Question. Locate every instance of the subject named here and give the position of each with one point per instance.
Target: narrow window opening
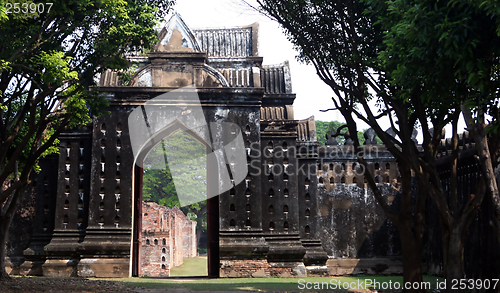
(285, 146)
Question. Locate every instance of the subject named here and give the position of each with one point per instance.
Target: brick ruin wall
(167, 237)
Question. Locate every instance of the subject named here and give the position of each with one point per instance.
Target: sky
(312, 94)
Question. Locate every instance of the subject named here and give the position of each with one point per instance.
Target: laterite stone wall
(167, 237)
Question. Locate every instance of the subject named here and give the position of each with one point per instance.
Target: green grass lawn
(193, 266)
(267, 284)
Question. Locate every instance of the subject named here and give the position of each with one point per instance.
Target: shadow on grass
(309, 284)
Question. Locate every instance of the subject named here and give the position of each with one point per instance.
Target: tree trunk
(454, 258)
(199, 225)
(485, 162)
(198, 237)
(412, 262)
(6, 215)
(477, 130)
(410, 227)
(4, 232)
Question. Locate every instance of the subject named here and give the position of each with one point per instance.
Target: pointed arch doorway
(212, 203)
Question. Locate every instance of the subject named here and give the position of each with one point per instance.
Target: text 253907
(28, 7)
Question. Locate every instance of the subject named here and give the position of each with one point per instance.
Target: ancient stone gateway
(300, 209)
(297, 203)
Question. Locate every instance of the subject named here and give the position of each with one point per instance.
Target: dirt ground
(60, 285)
(71, 285)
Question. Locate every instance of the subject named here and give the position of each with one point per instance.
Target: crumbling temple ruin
(308, 212)
(168, 236)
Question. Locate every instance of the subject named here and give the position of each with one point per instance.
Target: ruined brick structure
(167, 237)
(302, 208)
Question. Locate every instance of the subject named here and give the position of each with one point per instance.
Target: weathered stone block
(244, 268)
(104, 267)
(371, 266)
(60, 268)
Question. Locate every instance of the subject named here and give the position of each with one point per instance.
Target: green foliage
(443, 51)
(54, 68)
(323, 128)
(126, 76)
(53, 148)
(48, 61)
(188, 157)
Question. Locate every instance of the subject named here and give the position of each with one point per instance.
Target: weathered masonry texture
(167, 237)
(303, 209)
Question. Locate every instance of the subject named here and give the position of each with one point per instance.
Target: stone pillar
(280, 201)
(309, 213)
(242, 246)
(46, 192)
(71, 206)
(106, 248)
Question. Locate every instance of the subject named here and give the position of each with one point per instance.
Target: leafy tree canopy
(48, 62)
